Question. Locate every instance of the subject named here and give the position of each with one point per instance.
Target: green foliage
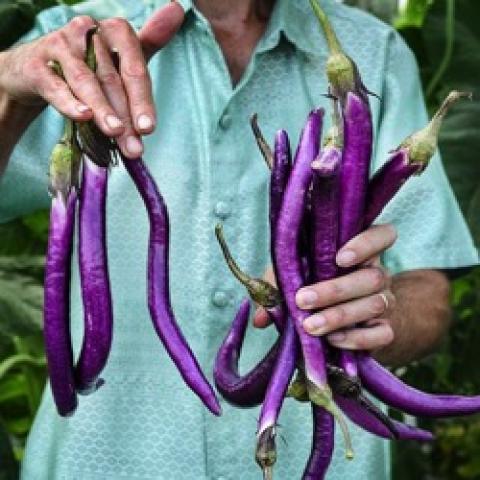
(17, 17)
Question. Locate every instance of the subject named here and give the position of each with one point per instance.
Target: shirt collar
(292, 18)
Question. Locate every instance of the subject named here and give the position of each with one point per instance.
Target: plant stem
(449, 44)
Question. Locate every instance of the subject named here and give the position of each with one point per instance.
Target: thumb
(261, 318)
(160, 28)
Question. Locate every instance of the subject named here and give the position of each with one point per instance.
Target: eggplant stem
(263, 145)
(259, 290)
(322, 397)
(267, 473)
(332, 40)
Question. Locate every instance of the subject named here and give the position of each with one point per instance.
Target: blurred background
(445, 36)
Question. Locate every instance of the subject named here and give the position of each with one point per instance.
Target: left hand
(357, 307)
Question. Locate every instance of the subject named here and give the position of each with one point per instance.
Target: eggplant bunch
(319, 202)
(84, 149)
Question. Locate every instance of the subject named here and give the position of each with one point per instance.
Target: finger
(361, 283)
(56, 92)
(368, 338)
(76, 31)
(261, 318)
(366, 245)
(349, 313)
(86, 87)
(119, 35)
(129, 142)
(160, 28)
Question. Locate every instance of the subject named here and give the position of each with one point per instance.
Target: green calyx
(341, 71)
(259, 290)
(422, 145)
(322, 397)
(266, 452)
(64, 163)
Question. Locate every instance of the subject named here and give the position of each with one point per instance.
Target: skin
(122, 106)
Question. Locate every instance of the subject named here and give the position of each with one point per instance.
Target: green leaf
(18, 360)
(21, 301)
(21, 15)
(8, 465)
(412, 14)
(13, 387)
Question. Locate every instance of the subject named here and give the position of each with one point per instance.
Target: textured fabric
(144, 423)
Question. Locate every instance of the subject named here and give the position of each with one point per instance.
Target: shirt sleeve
(23, 187)
(432, 232)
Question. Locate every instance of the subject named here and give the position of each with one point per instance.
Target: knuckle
(377, 278)
(109, 79)
(81, 22)
(135, 69)
(57, 40)
(362, 341)
(31, 68)
(116, 23)
(81, 75)
(335, 317)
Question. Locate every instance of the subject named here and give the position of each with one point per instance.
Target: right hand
(121, 104)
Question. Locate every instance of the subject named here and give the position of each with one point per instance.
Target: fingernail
(144, 122)
(306, 298)
(113, 122)
(346, 257)
(82, 108)
(134, 145)
(315, 323)
(337, 337)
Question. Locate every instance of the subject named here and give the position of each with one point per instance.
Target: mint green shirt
(144, 423)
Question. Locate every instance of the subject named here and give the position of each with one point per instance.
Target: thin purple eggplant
(63, 181)
(274, 397)
(322, 445)
(409, 159)
(389, 389)
(247, 390)
(158, 286)
(364, 419)
(94, 278)
(289, 266)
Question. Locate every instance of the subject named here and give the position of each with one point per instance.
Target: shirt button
(220, 299)
(222, 210)
(225, 121)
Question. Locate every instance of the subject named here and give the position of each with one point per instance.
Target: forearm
(420, 318)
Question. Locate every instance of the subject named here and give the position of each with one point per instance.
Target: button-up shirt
(144, 423)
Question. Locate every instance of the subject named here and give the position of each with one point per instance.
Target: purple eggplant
(63, 180)
(247, 390)
(325, 203)
(282, 165)
(274, 397)
(364, 419)
(94, 279)
(410, 158)
(389, 389)
(322, 445)
(290, 269)
(158, 286)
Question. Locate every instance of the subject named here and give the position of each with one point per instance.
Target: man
(220, 62)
